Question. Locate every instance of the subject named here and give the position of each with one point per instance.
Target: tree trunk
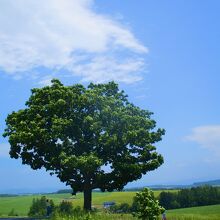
(87, 199)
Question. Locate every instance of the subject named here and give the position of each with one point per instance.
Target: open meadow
(211, 212)
(21, 204)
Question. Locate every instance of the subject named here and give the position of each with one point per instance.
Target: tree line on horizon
(195, 196)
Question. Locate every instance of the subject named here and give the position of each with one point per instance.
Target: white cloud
(67, 35)
(4, 150)
(207, 136)
(45, 81)
(101, 69)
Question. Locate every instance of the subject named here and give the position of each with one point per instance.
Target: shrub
(66, 208)
(147, 207)
(122, 208)
(39, 207)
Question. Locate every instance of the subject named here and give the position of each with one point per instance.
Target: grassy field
(196, 213)
(21, 205)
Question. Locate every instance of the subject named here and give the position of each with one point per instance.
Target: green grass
(21, 205)
(98, 198)
(99, 216)
(195, 213)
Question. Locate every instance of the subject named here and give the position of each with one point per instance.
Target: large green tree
(89, 137)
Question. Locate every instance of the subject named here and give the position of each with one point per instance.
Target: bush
(39, 207)
(147, 207)
(122, 208)
(66, 208)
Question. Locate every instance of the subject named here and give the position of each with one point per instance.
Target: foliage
(65, 208)
(196, 196)
(121, 208)
(168, 200)
(39, 207)
(64, 191)
(147, 207)
(75, 131)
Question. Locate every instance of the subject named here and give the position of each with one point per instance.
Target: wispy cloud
(70, 36)
(45, 81)
(207, 136)
(4, 150)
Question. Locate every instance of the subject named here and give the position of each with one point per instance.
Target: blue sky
(164, 54)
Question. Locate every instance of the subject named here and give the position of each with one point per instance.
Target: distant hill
(211, 182)
(64, 191)
(160, 187)
(61, 191)
(8, 195)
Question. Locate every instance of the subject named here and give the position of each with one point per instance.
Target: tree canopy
(90, 137)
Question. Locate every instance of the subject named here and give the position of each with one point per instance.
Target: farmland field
(196, 213)
(21, 205)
